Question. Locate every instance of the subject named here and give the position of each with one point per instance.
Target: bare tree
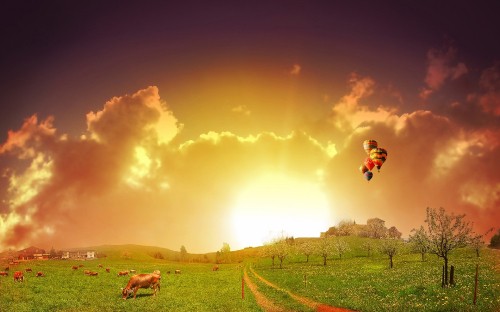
(446, 232)
(419, 241)
(269, 250)
(324, 248)
(306, 248)
(477, 241)
(390, 247)
(341, 247)
(368, 247)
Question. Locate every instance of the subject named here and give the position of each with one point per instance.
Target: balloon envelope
(369, 163)
(363, 169)
(368, 175)
(378, 156)
(368, 145)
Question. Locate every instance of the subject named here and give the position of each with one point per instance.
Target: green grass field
(355, 281)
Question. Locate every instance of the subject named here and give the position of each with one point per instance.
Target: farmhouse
(79, 254)
(32, 253)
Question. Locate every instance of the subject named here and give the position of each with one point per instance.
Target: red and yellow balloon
(376, 158)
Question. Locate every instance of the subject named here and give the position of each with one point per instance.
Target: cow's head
(126, 292)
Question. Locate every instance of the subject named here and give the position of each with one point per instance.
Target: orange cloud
(441, 67)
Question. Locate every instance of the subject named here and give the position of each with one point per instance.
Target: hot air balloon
(378, 156)
(368, 175)
(363, 169)
(368, 145)
(369, 163)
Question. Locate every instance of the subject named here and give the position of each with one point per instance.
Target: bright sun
(275, 204)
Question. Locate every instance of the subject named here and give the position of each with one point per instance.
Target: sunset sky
(195, 124)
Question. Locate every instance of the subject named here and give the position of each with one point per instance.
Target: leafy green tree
(495, 240)
(184, 253)
(376, 228)
(446, 233)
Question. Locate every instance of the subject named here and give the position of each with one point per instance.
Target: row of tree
(441, 234)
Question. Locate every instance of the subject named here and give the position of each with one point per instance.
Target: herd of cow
(18, 275)
(136, 281)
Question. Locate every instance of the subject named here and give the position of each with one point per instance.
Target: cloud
(295, 71)
(65, 174)
(442, 66)
(488, 98)
(241, 109)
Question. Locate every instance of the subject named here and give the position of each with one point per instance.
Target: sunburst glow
(275, 204)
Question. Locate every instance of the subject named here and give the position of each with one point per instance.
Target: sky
(201, 123)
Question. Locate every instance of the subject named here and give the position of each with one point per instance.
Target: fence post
(475, 284)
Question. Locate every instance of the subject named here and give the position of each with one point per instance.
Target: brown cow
(40, 274)
(3, 273)
(93, 273)
(107, 270)
(74, 267)
(18, 276)
(148, 280)
(29, 270)
(215, 268)
(122, 273)
(86, 272)
(100, 265)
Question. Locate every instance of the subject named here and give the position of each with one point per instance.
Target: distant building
(30, 252)
(79, 255)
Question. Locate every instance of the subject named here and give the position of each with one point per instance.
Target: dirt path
(303, 300)
(262, 301)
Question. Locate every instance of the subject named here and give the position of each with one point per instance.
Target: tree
(376, 228)
(477, 241)
(495, 240)
(446, 233)
(183, 253)
(367, 246)
(419, 241)
(224, 255)
(52, 253)
(390, 247)
(345, 228)
(269, 250)
(394, 233)
(324, 248)
(306, 248)
(283, 248)
(341, 247)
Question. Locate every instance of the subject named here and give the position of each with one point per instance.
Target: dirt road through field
(303, 300)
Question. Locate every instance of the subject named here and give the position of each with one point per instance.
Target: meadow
(357, 281)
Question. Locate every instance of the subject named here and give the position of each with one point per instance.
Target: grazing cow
(148, 280)
(100, 265)
(86, 272)
(18, 276)
(107, 270)
(40, 274)
(3, 273)
(132, 271)
(93, 273)
(81, 265)
(122, 273)
(215, 268)
(29, 270)
(177, 271)
(74, 267)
